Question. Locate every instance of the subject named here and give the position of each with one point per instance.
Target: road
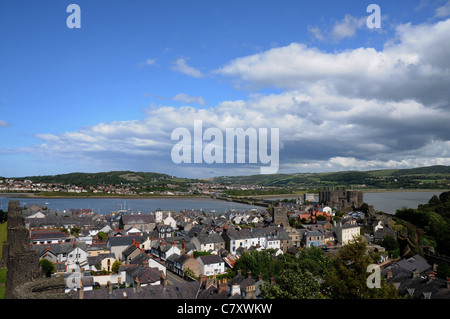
(173, 279)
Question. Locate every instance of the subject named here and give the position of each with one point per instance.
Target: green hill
(422, 177)
(114, 177)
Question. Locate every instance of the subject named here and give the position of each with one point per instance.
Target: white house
(346, 232)
(211, 265)
(170, 221)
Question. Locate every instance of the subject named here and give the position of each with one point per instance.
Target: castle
(341, 198)
(23, 276)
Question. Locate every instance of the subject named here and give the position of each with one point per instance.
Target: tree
(47, 267)
(115, 266)
(347, 278)
(391, 245)
(293, 285)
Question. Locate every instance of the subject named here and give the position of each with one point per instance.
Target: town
(192, 254)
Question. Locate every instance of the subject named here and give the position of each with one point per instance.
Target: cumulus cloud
(345, 28)
(443, 11)
(354, 109)
(413, 65)
(189, 99)
(180, 65)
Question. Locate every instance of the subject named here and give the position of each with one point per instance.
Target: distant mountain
(423, 177)
(114, 177)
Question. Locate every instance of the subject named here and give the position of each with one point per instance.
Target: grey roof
(62, 248)
(177, 291)
(212, 238)
(412, 263)
(211, 259)
(123, 240)
(137, 219)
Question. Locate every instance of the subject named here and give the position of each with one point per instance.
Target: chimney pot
(389, 274)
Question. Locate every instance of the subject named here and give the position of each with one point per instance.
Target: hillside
(432, 177)
(114, 177)
(423, 178)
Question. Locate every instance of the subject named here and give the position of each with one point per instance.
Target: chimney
(415, 273)
(134, 241)
(184, 245)
(81, 291)
(202, 279)
(138, 285)
(431, 276)
(235, 290)
(223, 285)
(110, 288)
(163, 280)
(389, 274)
(249, 274)
(239, 271)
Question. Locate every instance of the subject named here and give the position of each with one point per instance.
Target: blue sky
(108, 95)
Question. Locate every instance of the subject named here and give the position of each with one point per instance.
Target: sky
(109, 94)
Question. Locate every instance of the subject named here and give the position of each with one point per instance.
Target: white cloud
(355, 109)
(413, 65)
(345, 28)
(147, 62)
(443, 11)
(180, 65)
(4, 124)
(189, 99)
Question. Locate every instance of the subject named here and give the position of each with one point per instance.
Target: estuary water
(108, 205)
(387, 202)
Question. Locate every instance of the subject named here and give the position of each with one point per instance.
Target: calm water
(107, 205)
(389, 202)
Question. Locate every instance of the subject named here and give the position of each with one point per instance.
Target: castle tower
(22, 263)
(279, 214)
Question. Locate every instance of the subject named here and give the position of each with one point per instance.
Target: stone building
(341, 198)
(280, 217)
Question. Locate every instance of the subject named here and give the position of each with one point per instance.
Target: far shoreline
(75, 196)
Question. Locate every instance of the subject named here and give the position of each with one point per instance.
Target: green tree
(347, 279)
(115, 266)
(102, 235)
(47, 267)
(391, 245)
(291, 284)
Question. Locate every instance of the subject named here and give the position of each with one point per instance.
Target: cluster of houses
(166, 254)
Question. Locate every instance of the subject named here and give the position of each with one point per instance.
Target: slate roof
(412, 263)
(138, 219)
(123, 240)
(179, 291)
(210, 259)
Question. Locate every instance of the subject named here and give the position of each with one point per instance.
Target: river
(390, 201)
(387, 202)
(107, 205)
